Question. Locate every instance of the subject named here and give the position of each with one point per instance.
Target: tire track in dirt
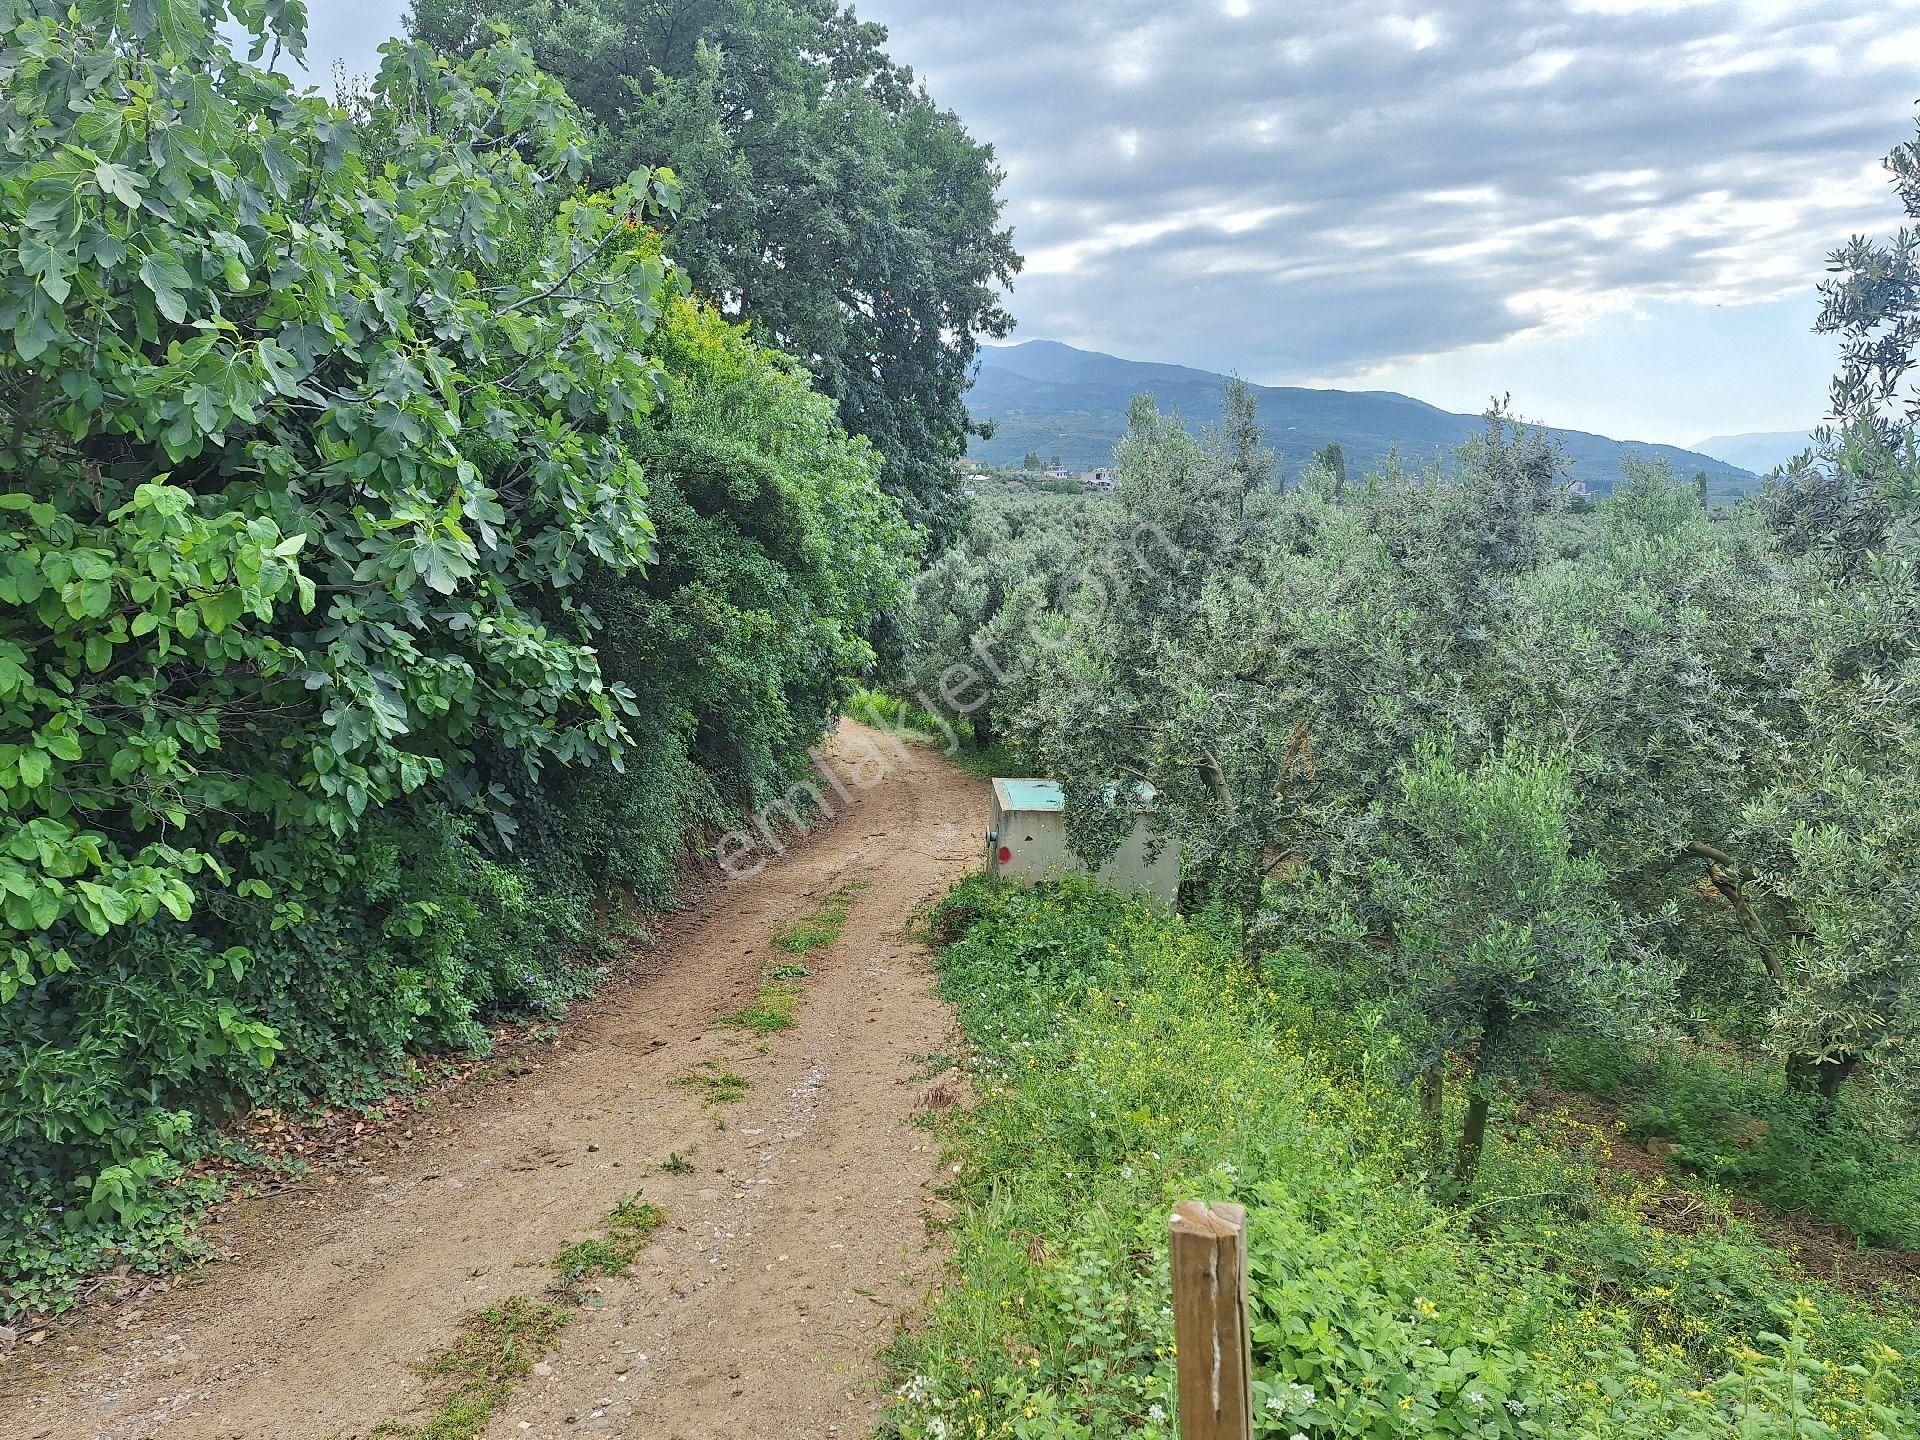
(791, 1252)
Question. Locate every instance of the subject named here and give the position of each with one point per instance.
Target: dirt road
(791, 1251)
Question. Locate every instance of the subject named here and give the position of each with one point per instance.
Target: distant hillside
(1051, 398)
(1758, 452)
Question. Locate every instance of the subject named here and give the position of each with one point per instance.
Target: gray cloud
(1313, 189)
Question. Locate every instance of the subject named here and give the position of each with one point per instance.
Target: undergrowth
(1734, 1120)
(954, 738)
(1125, 1059)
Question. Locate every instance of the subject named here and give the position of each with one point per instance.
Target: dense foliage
(828, 200)
(1476, 785)
(340, 683)
(1652, 764)
(1126, 1059)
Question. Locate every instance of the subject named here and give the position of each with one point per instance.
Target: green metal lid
(1047, 795)
(1030, 794)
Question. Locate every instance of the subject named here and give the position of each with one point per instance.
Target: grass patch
(676, 1164)
(494, 1349)
(953, 738)
(905, 720)
(1125, 1058)
(772, 1009)
(719, 1087)
(629, 1226)
(823, 926)
(987, 761)
(932, 1064)
(492, 1352)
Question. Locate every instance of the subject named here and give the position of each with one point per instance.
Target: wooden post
(1214, 1349)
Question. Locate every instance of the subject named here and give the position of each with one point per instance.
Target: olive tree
(1498, 935)
(1125, 696)
(977, 620)
(1822, 870)
(1828, 856)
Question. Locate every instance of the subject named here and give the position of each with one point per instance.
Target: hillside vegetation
(401, 569)
(433, 516)
(1476, 791)
(1126, 1059)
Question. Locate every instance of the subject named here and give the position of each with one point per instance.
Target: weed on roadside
(721, 1087)
(823, 927)
(493, 1350)
(629, 1225)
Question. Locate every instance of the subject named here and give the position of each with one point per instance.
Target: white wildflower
(1289, 1398)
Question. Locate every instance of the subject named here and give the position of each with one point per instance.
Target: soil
(792, 1253)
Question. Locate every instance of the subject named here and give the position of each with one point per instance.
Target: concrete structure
(1027, 840)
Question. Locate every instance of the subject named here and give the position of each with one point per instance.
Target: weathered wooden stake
(1214, 1348)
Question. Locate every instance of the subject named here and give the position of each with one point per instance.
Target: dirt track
(790, 1254)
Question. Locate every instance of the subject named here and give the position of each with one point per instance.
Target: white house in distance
(1097, 479)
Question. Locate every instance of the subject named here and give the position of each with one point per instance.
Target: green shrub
(396, 576)
(287, 566)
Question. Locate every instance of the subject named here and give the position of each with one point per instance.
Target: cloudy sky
(1613, 209)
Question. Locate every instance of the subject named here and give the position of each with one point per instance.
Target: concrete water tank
(1027, 840)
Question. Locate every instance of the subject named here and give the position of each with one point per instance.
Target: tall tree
(828, 200)
(1249, 461)
(1830, 850)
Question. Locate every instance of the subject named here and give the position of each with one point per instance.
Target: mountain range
(1054, 399)
(1760, 451)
